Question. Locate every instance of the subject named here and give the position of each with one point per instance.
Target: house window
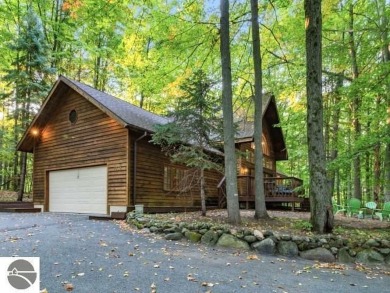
(73, 117)
(175, 178)
(265, 145)
(250, 156)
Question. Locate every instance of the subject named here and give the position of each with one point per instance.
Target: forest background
(143, 50)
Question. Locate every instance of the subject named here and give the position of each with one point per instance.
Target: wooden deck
(18, 207)
(281, 189)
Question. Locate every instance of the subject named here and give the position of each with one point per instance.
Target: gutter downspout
(135, 166)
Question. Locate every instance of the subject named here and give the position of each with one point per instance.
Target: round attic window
(73, 116)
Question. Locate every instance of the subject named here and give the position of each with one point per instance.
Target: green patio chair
(353, 207)
(384, 212)
(337, 208)
(370, 208)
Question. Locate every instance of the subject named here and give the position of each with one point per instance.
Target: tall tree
(195, 124)
(29, 74)
(228, 125)
(260, 208)
(356, 103)
(320, 199)
(385, 48)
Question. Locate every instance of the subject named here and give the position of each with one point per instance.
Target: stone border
(324, 248)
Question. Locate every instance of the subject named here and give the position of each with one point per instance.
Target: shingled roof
(123, 112)
(127, 113)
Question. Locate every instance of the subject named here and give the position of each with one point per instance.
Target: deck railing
(277, 189)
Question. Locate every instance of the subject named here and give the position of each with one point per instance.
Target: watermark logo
(19, 274)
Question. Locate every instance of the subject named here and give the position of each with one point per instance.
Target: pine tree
(28, 77)
(195, 124)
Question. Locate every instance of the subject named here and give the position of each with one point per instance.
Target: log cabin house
(92, 154)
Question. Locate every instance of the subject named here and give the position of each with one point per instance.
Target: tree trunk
(321, 203)
(22, 179)
(260, 208)
(228, 127)
(367, 194)
(15, 175)
(357, 187)
(2, 131)
(377, 172)
(333, 135)
(202, 192)
(384, 29)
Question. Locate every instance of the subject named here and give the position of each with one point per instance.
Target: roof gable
(270, 113)
(124, 113)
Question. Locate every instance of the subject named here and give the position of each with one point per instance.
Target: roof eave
(21, 144)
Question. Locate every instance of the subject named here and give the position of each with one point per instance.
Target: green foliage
(303, 225)
(143, 51)
(195, 125)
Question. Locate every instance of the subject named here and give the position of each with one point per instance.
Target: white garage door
(82, 190)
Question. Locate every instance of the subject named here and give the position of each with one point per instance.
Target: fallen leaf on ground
(68, 287)
(191, 278)
(332, 266)
(206, 284)
(252, 257)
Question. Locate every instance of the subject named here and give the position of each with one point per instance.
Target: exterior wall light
(35, 132)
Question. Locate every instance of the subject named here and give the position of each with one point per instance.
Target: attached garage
(81, 190)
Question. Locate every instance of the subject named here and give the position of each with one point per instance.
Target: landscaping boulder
(385, 243)
(371, 243)
(154, 229)
(344, 256)
(370, 256)
(174, 236)
(319, 253)
(387, 260)
(258, 234)
(193, 236)
(266, 246)
(230, 241)
(210, 238)
(287, 248)
(250, 238)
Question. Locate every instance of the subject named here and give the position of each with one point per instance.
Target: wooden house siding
(245, 167)
(106, 131)
(95, 139)
(150, 180)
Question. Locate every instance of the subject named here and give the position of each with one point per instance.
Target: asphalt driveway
(99, 256)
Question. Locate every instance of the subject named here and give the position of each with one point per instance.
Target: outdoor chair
(370, 207)
(353, 207)
(384, 212)
(337, 208)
